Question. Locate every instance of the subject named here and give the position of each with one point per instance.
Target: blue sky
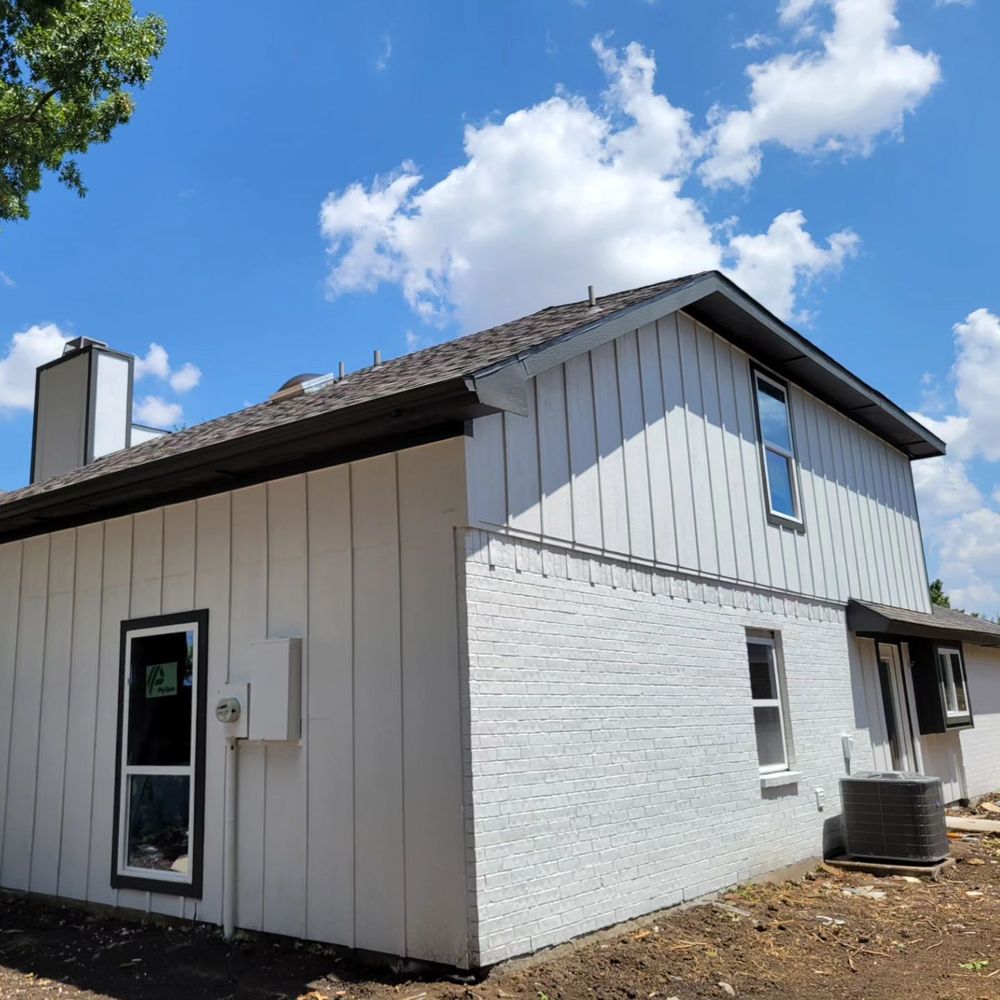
(298, 190)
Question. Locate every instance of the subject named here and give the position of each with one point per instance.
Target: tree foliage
(65, 70)
(938, 596)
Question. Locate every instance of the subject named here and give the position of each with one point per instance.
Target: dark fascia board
(407, 419)
(871, 624)
(718, 303)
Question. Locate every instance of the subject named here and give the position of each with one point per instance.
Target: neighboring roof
(428, 395)
(941, 623)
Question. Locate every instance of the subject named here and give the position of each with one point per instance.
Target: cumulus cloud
(26, 350)
(156, 363)
(554, 197)
(837, 98)
(962, 525)
(155, 411)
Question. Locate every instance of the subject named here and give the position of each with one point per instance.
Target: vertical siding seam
(97, 706)
(402, 680)
(354, 694)
(597, 451)
(304, 706)
(569, 456)
(537, 432)
(41, 702)
(741, 469)
(621, 435)
(267, 635)
(687, 440)
(13, 691)
(645, 448)
(69, 702)
(731, 500)
(666, 440)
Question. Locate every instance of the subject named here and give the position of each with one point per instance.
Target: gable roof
(429, 395)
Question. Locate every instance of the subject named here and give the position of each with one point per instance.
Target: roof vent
(299, 385)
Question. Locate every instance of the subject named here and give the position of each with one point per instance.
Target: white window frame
(778, 703)
(126, 771)
(947, 674)
(766, 446)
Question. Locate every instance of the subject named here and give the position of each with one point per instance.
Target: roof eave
(387, 424)
(868, 621)
(716, 301)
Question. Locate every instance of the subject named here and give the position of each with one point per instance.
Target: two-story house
(477, 649)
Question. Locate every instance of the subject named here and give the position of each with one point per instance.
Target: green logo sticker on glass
(161, 679)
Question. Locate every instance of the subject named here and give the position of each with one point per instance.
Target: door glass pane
(158, 822)
(762, 681)
(889, 707)
(159, 699)
(779, 479)
(773, 415)
(770, 741)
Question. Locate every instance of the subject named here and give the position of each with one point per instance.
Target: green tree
(938, 596)
(65, 66)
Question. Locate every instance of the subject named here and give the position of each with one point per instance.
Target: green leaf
(67, 69)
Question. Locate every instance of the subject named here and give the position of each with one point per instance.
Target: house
(480, 648)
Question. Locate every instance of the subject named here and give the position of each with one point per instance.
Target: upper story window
(777, 449)
(161, 754)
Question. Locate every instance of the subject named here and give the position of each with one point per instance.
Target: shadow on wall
(684, 371)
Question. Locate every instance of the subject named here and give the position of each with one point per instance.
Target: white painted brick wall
(612, 752)
(981, 745)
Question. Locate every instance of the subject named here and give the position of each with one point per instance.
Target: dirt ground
(828, 935)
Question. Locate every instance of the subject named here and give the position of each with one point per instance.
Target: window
(777, 449)
(952, 674)
(161, 754)
(768, 705)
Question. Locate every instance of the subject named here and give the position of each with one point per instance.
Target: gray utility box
(894, 816)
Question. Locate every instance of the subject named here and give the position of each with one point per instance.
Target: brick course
(612, 754)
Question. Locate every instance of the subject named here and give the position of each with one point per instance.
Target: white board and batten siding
(354, 835)
(646, 447)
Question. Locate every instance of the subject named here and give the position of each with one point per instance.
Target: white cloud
(158, 412)
(839, 98)
(552, 198)
(758, 40)
(962, 525)
(954, 3)
(156, 363)
(185, 378)
(27, 349)
(774, 263)
(6, 280)
(386, 54)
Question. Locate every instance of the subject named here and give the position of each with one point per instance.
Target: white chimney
(83, 408)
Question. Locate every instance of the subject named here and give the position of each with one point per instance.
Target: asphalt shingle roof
(939, 618)
(457, 358)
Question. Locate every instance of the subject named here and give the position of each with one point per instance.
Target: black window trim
(774, 518)
(192, 889)
(963, 721)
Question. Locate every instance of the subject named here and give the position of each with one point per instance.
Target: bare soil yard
(827, 935)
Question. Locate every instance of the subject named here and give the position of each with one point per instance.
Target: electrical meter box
(275, 676)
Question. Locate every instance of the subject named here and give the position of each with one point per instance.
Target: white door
(895, 705)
